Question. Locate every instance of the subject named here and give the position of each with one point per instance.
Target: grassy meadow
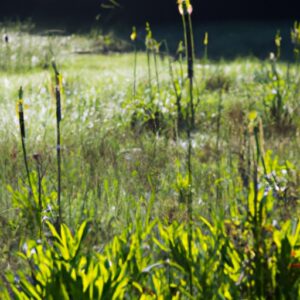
(174, 184)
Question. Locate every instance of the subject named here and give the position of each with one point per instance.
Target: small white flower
(25, 247)
(34, 61)
(200, 201)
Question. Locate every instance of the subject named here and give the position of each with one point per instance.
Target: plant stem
(149, 73)
(134, 72)
(218, 143)
(156, 71)
(177, 93)
(189, 45)
(58, 142)
(39, 193)
(23, 136)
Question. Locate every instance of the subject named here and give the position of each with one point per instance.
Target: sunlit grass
(123, 175)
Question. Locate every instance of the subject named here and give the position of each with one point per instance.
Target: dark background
(154, 11)
(236, 28)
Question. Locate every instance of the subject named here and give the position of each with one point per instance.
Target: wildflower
(278, 39)
(205, 41)
(278, 43)
(184, 7)
(272, 56)
(34, 61)
(17, 279)
(133, 35)
(297, 264)
(295, 34)
(149, 38)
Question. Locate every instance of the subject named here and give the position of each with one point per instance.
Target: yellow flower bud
(205, 41)
(133, 35)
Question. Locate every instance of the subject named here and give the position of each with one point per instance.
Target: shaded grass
(111, 171)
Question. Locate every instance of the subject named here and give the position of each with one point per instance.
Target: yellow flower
(278, 39)
(205, 41)
(20, 106)
(295, 34)
(133, 35)
(184, 7)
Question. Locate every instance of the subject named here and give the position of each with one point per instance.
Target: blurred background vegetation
(236, 28)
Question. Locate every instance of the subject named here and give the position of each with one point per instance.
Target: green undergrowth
(126, 141)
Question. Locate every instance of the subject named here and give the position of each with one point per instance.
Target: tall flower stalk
(58, 84)
(148, 43)
(177, 89)
(133, 37)
(295, 37)
(185, 9)
(37, 159)
(23, 136)
(205, 57)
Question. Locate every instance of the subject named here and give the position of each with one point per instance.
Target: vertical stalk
(156, 70)
(218, 143)
(134, 72)
(185, 9)
(23, 137)
(149, 46)
(190, 56)
(39, 172)
(257, 220)
(177, 93)
(205, 57)
(149, 73)
(58, 142)
(133, 37)
(190, 201)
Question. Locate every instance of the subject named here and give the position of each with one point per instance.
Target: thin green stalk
(134, 72)
(181, 73)
(178, 94)
(190, 63)
(133, 37)
(156, 71)
(205, 57)
(218, 142)
(58, 141)
(38, 167)
(149, 73)
(190, 201)
(257, 221)
(149, 45)
(23, 137)
(189, 45)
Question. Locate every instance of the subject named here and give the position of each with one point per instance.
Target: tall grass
(153, 230)
(58, 85)
(23, 138)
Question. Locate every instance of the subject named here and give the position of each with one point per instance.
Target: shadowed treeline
(155, 10)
